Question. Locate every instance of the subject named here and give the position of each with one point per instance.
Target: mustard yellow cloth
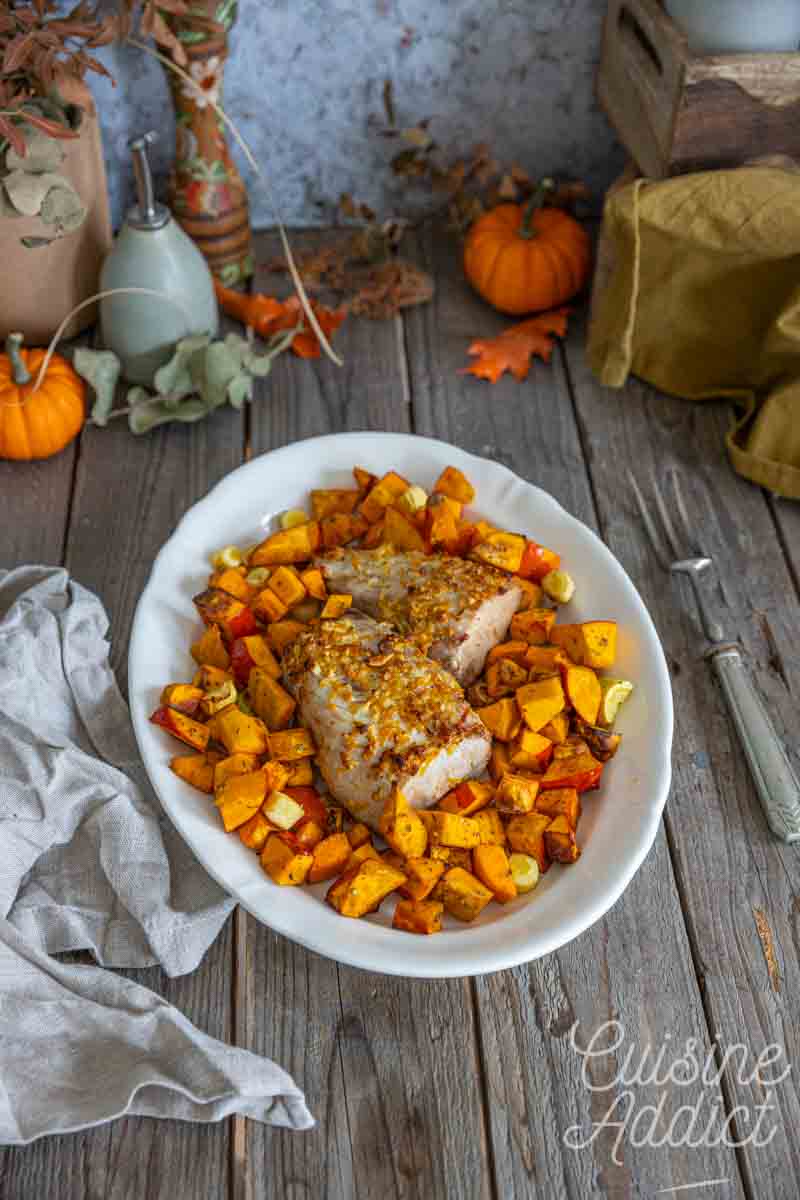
(698, 292)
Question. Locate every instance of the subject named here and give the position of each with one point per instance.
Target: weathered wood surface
(462, 1090)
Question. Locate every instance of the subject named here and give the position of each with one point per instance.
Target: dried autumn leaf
(513, 349)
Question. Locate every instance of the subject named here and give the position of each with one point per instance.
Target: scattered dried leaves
(267, 316)
(513, 349)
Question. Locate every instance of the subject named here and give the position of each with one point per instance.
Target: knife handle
(776, 782)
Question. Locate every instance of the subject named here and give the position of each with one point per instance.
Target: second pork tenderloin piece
(454, 609)
(383, 716)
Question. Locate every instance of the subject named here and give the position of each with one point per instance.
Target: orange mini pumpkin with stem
(37, 422)
(527, 258)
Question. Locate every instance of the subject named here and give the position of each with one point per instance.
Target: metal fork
(775, 780)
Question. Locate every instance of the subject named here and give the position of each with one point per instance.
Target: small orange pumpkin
(37, 423)
(526, 259)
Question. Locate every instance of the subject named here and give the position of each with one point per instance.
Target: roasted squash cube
(504, 676)
(559, 841)
(385, 492)
(513, 650)
(301, 773)
(255, 831)
(499, 761)
(282, 633)
(502, 718)
(336, 606)
(592, 644)
(365, 480)
(530, 751)
(361, 889)
(287, 585)
(272, 702)
(464, 896)
(468, 798)
(195, 769)
(516, 794)
(327, 502)
(400, 532)
(360, 854)
(491, 830)
(581, 771)
(233, 580)
(291, 744)
(238, 732)
(526, 835)
(533, 625)
(422, 876)
(294, 545)
(501, 550)
(490, 864)
(449, 829)
(583, 692)
(556, 730)
(358, 835)
(268, 606)
(560, 802)
(182, 727)
(539, 702)
(286, 862)
(545, 660)
(249, 652)
(418, 916)
(208, 677)
(209, 650)
(314, 583)
(183, 696)
(234, 764)
(239, 796)
(403, 828)
(454, 483)
(531, 596)
(330, 857)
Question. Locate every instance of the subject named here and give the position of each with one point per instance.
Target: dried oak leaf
(390, 286)
(513, 349)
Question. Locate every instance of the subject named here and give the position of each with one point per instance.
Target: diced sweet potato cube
(249, 652)
(545, 660)
(513, 650)
(294, 545)
(464, 896)
(285, 861)
(422, 876)
(583, 692)
(309, 833)
(526, 835)
(556, 730)
(291, 744)
(592, 644)
(531, 594)
(336, 606)
(454, 483)
(539, 702)
(238, 732)
(533, 625)
(560, 802)
(358, 835)
(281, 633)
(239, 796)
(255, 831)
(400, 532)
(499, 761)
(468, 798)
(341, 529)
(233, 580)
(502, 718)
(580, 771)
(403, 828)
(209, 650)
(385, 492)
(272, 702)
(441, 523)
(516, 794)
(360, 854)
(301, 773)
(195, 769)
(182, 727)
(530, 751)
(234, 764)
(183, 696)
(491, 830)
(326, 502)
(538, 561)
(287, 585)
(490, 864)
(330, 857)
(501, 550)
(361, 889)
(277, 776)
(268, 606)
(418, 916)
(448, 829)
(217, 607)
(314, 583)
(559, 841)
(504, 677)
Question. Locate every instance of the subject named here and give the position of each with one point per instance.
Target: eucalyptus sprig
(201, 376)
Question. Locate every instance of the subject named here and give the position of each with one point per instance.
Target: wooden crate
(675, 111)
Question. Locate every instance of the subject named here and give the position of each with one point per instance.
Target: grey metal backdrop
(305, 78)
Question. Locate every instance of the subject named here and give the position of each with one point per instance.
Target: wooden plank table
(469, 1089)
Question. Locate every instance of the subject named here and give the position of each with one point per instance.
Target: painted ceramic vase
(207, 194)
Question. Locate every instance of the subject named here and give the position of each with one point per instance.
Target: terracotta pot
(48, 281)
(207, 194)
